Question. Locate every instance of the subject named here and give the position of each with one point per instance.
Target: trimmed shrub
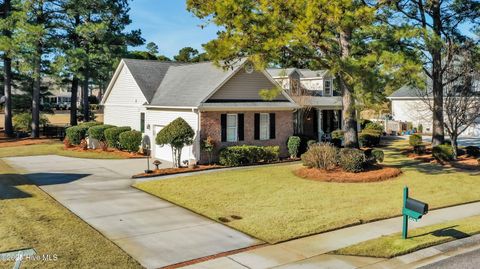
(352, 160)
(23, 121)
(419, 149)
(443, 153)
(247, 154)
(177, 134)
(415, 140)
(112, 136)
(75, 134)
(473, 151)
(378, 155)
(98, 131)
(369, 138)
(293, 145)
(321, 156)
(130, 140)
(363, 123)
(89, 124)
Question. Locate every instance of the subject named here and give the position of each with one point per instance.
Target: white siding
(244, 86)
(125, 102)
(123, 115)
(417, 112)
(125, 91)
(157, 119)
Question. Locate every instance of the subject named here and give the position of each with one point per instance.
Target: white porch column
(319, 124)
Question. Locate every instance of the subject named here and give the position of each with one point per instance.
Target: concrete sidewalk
(309, 252)
(153, 231)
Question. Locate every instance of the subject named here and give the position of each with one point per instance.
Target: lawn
(393, 245)
(275, 205)
(54, 148)
(29, 218)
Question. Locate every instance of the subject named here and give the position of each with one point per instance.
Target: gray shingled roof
(408, 91)
(188, 85)
(148, 74)
(280, 72)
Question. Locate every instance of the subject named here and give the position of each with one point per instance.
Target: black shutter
(223, 122)
(240, 127)
(256, 131)
(272, 125)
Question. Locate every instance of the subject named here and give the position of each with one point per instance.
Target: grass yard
(29, 218)
(275, 205)
(393, 245)
(54, 148)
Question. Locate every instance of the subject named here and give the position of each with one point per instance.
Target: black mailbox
(417, 206)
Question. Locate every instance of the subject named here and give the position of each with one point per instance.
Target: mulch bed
(463, 162)
(14, 142)
(373, 174)
(125, 154)
(172, 171)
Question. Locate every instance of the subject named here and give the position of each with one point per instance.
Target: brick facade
(211, 126)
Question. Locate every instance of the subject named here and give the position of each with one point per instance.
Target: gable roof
(148, 74)
(304, 73)
(280, 72)
(189, 85)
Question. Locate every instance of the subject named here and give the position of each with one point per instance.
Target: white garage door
(165, 152)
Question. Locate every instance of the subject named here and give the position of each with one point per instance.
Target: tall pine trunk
(348, 112)
(73, 101)
(7, 77)
(85, 103)
(36, 94)
(438, 132)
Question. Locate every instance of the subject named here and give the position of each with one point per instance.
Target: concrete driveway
(153, 231)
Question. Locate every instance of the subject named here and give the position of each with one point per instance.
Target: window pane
(231, 120)
(231, 134)
(264, 126)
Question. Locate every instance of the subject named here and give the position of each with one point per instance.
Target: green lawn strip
(29, 218)
(275, 205)
(54, 149)
(393, 245)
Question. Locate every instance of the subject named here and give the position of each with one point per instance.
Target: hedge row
(109, 134)
(246, 154)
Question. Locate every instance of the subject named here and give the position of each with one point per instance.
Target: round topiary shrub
(374, 126)
(415, 140)
(352, 160)
(97, 131)
(75, 134)
(369, 138)
(177, 134)
(378, 155)
(293, 146)
(443, 153)
(112, 136)
(89, 124)
(130, 140)
(321, 156)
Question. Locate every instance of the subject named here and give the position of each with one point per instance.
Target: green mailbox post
(412, 209)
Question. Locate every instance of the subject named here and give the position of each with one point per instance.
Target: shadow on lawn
(446, 232)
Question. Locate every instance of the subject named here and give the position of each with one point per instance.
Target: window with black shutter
(272, 126)
(256, 126)
(223, 123)
(142, 122)
(240, 129)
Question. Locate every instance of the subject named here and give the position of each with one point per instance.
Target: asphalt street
(469, 260)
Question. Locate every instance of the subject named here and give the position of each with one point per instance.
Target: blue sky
(169, 25)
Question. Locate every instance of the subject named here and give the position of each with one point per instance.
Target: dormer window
(327, 87)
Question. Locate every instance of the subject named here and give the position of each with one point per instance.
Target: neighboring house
(408, 105)
(314, 91)
(222, 104)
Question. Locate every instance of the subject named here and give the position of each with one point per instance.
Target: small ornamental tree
(177, 134)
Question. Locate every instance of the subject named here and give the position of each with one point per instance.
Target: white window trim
(330, 90)
(235, 127)
(268, 126)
